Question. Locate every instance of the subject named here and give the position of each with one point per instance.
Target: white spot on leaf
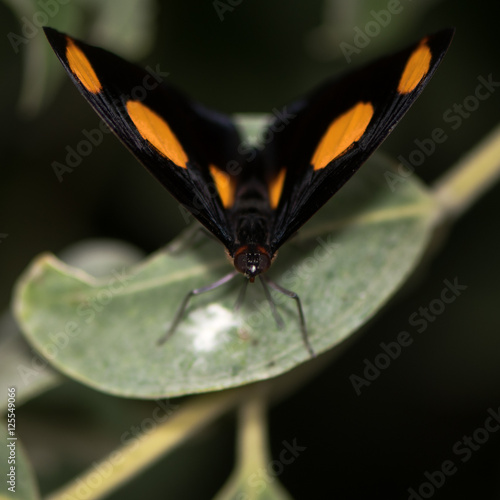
(210, 326)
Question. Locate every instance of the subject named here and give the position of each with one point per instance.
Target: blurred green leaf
(345, 264)
(351, 25)
(126, 27)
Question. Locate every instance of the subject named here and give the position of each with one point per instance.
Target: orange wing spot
(155, 129)
(416, 68)
(343, 132)
(81, 67)
(276, 188)
(224, 184)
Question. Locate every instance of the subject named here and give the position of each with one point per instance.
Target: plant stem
(477, 171)
(126, 462)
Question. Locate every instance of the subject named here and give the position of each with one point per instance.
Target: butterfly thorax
(252, 255)
(251, 219)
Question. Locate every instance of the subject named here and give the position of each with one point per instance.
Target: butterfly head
(252, 260)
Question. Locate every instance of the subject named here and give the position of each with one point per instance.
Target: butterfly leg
(241, 295)
(266, 281)
(272, 305)
(187, 298)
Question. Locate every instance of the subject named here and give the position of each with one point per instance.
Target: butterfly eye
(252, 260)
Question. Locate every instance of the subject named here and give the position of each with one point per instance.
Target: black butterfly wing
(332, 132)
(184, 145)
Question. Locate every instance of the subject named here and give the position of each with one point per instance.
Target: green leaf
(345, 264)
(20, 366)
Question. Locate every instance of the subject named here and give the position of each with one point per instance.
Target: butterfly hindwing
(184, 145)
(338, 126)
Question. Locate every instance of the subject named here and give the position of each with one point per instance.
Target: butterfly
(251, 199)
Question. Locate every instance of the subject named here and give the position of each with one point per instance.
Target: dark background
(376, 445)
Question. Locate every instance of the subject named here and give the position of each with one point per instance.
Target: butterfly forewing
(179, 141)
(339, 125)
